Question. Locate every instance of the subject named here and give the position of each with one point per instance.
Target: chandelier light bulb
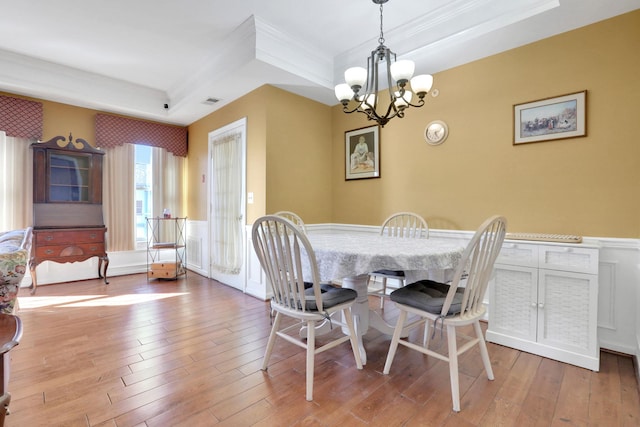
(421, 84)
(343, 92)
(355, 77)
(402, 71)
(369, 102)
(404, 100)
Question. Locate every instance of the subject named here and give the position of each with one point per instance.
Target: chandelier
(360, 92)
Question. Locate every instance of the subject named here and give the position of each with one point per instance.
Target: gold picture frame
(550, 119)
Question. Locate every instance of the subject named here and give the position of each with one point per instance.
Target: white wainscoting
(198, 247)
(619, 294)
(120, 264)
(619, 275)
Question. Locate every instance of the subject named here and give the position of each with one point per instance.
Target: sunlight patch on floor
(32, 302)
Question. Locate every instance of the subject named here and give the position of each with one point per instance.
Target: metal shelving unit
(166, 248)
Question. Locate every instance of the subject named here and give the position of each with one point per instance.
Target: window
(144, 191)
(142, 181)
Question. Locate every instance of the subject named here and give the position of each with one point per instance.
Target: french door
(227, 209)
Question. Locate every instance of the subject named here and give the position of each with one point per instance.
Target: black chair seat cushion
(428, 296)
(308, 285)
(331, 296)
(390, 273)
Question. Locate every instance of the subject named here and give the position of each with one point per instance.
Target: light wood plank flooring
(188, 353)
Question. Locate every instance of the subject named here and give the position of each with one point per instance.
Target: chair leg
(348, 318)
(427, 335)
(394, 341)
(272, 341)
(483, 350)
(453, 367)
(384, 291)
(311, 352)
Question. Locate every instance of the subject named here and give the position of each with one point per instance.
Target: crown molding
(46, 80)
(444, 28)
(290, 54)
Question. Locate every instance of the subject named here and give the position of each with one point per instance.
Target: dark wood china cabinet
(68, 225)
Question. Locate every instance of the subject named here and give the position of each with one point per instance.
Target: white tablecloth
(352, 254)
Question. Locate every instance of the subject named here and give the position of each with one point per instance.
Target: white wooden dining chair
(284, 252)
(452, 305)
(293, 217)
(404, 225)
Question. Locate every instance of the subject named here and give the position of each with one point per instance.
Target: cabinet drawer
(60, 251)
(165, 266)
(164, 274)
(55, 237)
(522, 254)
(576, 259)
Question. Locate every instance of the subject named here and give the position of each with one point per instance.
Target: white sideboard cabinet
(544, 300)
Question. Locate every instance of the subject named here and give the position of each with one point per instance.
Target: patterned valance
(112, 131)
(20, 118)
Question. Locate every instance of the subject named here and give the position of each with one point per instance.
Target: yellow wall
(586, 186)
(299, 163)
(288, 154)
(251, 107)
(62, 119)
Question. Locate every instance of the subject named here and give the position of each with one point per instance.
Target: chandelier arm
(396, 111)
(345, 108)
(373, 114)
(418, 105)
(372, 81)
(375, 117)
(387, 58)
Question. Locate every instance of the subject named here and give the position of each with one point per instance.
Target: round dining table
(350, 257)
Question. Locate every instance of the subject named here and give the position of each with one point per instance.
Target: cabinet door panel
(513, 309)
(567, 316)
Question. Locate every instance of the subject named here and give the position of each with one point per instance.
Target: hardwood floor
(188, 353)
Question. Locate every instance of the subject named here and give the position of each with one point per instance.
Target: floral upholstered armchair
(15, 249)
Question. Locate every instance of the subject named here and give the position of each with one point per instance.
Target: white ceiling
(134, 56)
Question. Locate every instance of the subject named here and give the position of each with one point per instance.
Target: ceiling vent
(210, 101)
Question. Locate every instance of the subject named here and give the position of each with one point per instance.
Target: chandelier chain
(381, 38)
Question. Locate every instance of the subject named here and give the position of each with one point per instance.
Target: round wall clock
(436, 132)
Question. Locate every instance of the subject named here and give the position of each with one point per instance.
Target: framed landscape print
(552, 118)
(362, 153)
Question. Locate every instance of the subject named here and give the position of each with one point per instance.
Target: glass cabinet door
(69, 177)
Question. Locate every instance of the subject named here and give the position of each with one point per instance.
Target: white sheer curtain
(227, 180)
(173, 179)
(16, 185)
(118, 198)
(168, 177)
